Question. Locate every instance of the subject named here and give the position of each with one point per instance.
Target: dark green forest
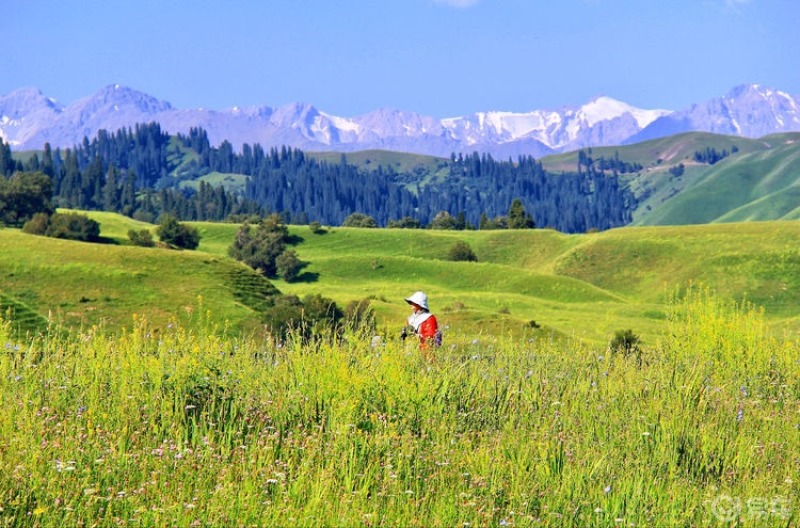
(138, 172)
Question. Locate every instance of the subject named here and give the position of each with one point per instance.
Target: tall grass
(187, 425)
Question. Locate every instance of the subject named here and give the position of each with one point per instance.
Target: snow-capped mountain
(24, 113)
(748, 110)
(28, 119)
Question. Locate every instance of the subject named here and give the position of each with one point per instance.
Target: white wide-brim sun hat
(420, 299)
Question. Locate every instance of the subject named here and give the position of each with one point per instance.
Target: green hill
(666, 151)
(587, 286)
(757, 182)
(762, 185)
(81, 284)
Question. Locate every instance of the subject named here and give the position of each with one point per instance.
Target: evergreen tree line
(477, 187)
(711, 155)
(84, 178)
(586, 163)
(137, 172)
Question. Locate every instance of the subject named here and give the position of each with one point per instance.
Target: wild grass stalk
(188, 425)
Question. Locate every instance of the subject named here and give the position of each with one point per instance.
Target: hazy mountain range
(29, 119)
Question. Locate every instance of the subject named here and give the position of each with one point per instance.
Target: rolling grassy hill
(81, 284)
(759, 185)
(587, 286)
(667, 151)
(741, 187)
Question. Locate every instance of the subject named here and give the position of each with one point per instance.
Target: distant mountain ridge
(29, 119)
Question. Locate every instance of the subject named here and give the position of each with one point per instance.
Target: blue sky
(441, 58)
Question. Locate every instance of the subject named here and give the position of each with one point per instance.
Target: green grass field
(184, 426)
(80, 284)
(144, 394)
(584, 286)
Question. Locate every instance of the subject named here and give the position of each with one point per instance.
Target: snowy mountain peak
(122, 96)
(748, 110)
(27, 100)
(28, 119)
(605, 108)
(293, 114)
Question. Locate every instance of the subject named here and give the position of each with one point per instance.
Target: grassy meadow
(143, 392)
(77, 284)
(184, 425)
(584, 286)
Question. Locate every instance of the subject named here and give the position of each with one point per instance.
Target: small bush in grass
(359, 220)
(37, 225)
(177, 234)
(461, 252)
(261, 246)
(288, 265)
(69, 226)
(143, 238)
(626, 343)
(314, 314)
(316, 228)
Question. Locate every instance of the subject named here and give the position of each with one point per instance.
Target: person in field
(422, 323)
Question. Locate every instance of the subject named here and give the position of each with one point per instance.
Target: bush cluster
(177, 234)
(70, 226)
(263, 248)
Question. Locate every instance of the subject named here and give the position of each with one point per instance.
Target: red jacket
(427, 331)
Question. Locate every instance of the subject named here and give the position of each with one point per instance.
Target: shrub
(626, 343)
(314, 315)
(359, 220)
(177, 234)
(461, 252)
(288, 265)
(260, 248)
(73, 226)
(444, 220)
(316, 228)
(37, 225)
(69, 226)
(143, 238)
(406, 222)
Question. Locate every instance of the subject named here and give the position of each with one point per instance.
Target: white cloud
(457, 3)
